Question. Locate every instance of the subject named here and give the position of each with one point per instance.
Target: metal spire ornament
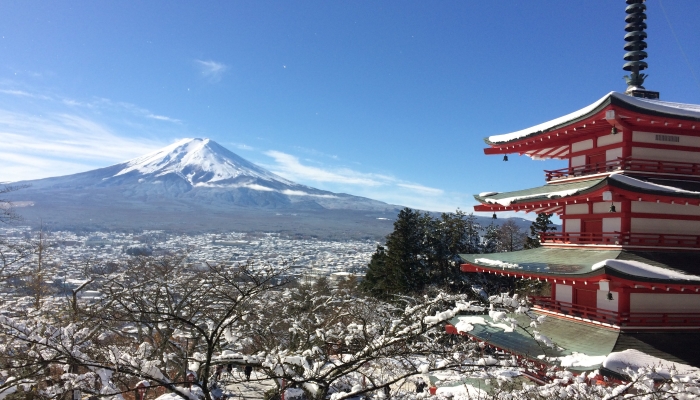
(634, 47)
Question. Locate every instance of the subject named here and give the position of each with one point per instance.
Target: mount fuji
(193, 185)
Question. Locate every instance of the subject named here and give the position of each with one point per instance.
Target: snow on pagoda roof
(686, 189)
(654, 187)
(644, 270)
(539, 193)
(655, 107)
(632, 360)
(654, 266)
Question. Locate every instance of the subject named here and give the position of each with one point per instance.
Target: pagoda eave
(616, 187)
(615, 278)
(621, 111)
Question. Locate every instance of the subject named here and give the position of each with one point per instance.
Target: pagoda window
(664, 138)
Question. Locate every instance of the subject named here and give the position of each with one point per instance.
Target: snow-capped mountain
(201, 162)
(196, 183)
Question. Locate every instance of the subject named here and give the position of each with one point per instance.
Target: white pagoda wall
(564, 293)
(667, 226)
(645, 153)
(664, 302)
(604, 303)
(663, 225)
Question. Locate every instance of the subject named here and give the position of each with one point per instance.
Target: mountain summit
(201, 162)
(191, 181)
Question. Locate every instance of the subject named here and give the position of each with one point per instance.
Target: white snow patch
(549, 124)
(648, 185)
(290, 192)
(679, 109)
(466, 323)
(200, 162)
(508, 200)
(580, 360)
(635, 359)
(645, 270)
(461, 391)
(487, 194)
(496, 263)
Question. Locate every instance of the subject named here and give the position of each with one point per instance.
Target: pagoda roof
(551, 192)
(649, 107)
(643, 266)
(570, 338)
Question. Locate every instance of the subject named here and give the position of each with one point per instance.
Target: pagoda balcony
(622, 239)
(621, 319)
(627, 164)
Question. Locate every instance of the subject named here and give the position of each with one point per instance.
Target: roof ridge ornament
(634, 48)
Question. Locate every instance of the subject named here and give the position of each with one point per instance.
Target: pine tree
(542, 224)
(400, 267)
(491, 242)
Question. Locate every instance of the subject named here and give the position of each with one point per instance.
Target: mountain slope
(197, 184)
(201, 170)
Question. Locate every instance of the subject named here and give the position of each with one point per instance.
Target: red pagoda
(626, 262)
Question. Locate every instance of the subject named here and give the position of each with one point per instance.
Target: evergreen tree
(400, 267)
(542, 224)
(491, 242)
(421, 251)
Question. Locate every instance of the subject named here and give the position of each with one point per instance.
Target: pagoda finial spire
(634, 47)
(635, 43)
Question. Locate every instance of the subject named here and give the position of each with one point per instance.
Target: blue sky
(384, 99)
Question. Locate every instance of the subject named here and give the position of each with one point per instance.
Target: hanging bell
(610, 296)
(613, 130)
(612, 208)
(505, 158)
(494, 216)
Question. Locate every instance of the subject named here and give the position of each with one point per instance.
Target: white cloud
(59, 144)
(421, 188)
(242, 146)
(163, 118)
(211, 70)
(375, 186)
(22, 93)
(289, 167)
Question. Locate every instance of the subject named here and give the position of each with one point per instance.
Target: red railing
(581, 170)
(576, 310)
(622, 239)
(616, 318)
(628, 164)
